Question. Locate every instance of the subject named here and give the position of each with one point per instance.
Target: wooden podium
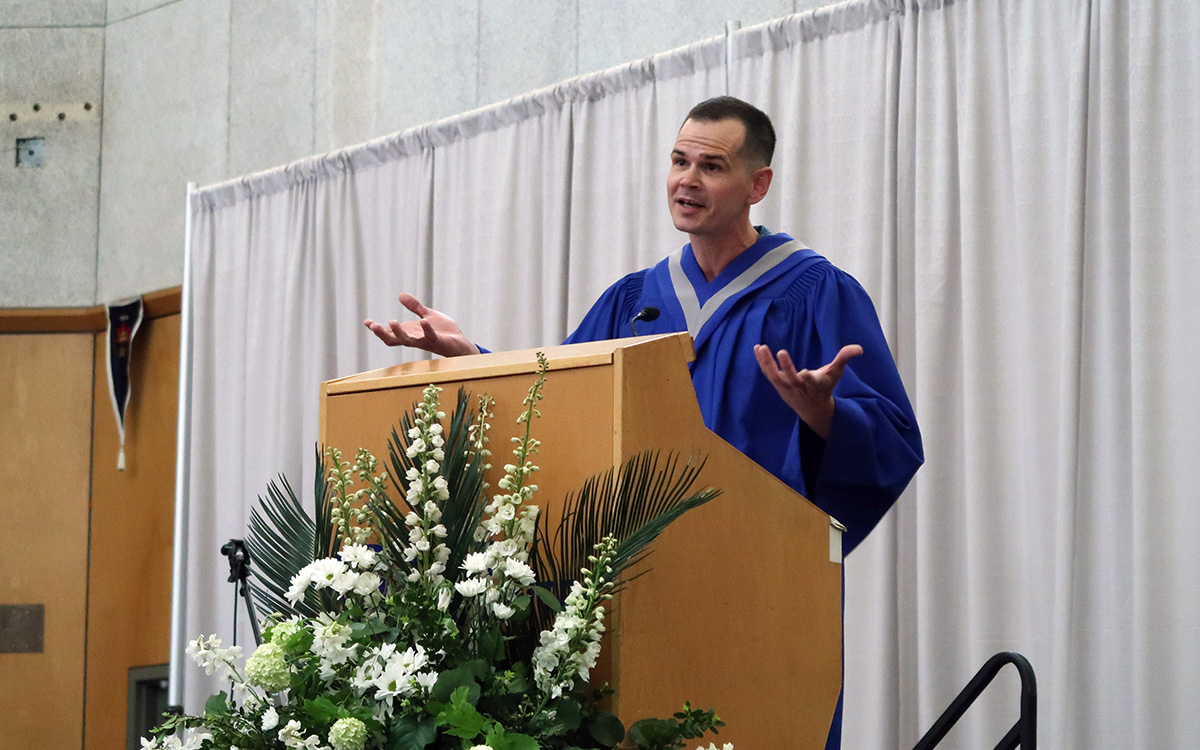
(741, 609)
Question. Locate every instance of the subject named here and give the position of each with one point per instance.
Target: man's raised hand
(434, 332)
(808, 392)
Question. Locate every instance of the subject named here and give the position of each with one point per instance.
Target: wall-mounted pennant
(124, 318)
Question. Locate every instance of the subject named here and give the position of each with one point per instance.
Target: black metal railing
(1023, 733)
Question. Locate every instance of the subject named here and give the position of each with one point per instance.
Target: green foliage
(484, 689)
(670, 734)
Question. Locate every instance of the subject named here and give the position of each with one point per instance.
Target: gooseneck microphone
(647, 314)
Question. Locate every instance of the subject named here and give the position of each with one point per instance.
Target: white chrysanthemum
(399, 673)
(324, 571)
(344, 581)
(476, 562)
(502, 610)
(358, 556)
(270, 719)
(426, 680)
(519, 572)
(471, 587)
(367, 583)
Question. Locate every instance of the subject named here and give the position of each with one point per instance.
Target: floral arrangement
(444, 620)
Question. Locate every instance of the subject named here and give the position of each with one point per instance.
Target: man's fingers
(844, 355)
(786, 366)
(766, 363)
(413, 304)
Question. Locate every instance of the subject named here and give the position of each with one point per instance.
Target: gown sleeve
(874, 444)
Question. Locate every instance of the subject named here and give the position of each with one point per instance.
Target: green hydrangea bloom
(283, 631)
(267, 668)
(348, 734)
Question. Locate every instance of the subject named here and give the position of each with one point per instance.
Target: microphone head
(647, 313)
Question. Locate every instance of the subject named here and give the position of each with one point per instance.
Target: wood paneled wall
(45, 459)
(91, 543)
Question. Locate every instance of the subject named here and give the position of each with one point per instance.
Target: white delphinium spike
(568, 651)
(509, 521)
(427, 493)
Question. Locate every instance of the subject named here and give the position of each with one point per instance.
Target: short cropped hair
(759, 146)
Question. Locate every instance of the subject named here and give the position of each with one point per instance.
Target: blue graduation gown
(786, 296)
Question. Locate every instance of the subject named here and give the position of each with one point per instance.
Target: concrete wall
(156, 93)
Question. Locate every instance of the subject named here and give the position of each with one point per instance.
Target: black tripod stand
(239, 571)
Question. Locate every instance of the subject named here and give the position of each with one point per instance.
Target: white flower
(471, 587)
(476, 562)
(397, 677)
(443, 602)
(292, 737)
(426, 680)
(344, 581)
(267, 668)
(331, 640)
(270, 719)
(300, 582)
(358, 555)
(325, 571)
(713, 746)
(366, 583)
(207, 652)
(415, 447)
(519, 572)
(502, 610)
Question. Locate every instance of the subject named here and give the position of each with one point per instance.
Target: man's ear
(762, 183)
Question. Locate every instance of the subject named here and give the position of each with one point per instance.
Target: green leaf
(465, 677)
(460, 717)
(412, 734)
(503, 741)
(321, 711)
(491, 643)
(567, 713)
(606, 729)
(547, 597)
(654, 733)
(217, 705)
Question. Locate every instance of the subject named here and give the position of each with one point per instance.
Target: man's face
(710, 187)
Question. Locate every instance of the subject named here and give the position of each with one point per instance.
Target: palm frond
(283, 538)
(634, 504)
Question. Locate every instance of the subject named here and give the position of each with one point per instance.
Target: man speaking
(792, 367)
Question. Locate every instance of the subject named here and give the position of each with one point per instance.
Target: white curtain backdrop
(1014, 182)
